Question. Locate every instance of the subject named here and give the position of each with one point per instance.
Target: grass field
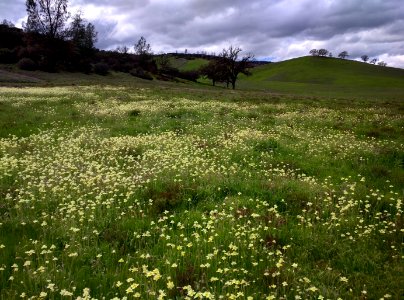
(118, 188)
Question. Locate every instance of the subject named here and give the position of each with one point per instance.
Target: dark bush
(7, 56)
(101, 69)
(174, 72)
(189, 75)
(27, 64)
(84, 66)
(49, 64)
(126, 67)
(169, 71)
(10, 37)
(138, 72)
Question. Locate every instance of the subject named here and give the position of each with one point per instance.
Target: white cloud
(393, 60)
(268, 28)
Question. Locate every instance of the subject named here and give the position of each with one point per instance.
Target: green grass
(118, 187)
(328, 77)
(189, 64)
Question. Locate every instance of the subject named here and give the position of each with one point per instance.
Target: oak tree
(365, 58)
(343, 54)
(233, 65)
(322, 52)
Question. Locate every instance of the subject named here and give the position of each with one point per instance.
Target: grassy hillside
(188, 64)
(327, 77)
(305, 76)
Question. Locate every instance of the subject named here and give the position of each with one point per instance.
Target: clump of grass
(134, 113)
(269, 145)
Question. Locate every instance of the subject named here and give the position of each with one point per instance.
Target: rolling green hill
(184, 64)
(304, 76)
(327, 77)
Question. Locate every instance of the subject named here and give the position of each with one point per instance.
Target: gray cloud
(279, 29)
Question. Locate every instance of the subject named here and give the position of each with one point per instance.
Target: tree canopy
(81, 34)
(47, 17)
(343, 54)
(365, 58)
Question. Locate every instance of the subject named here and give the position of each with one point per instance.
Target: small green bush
(138, 72)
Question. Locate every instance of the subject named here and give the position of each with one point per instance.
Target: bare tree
(234, 66)
(365, 58)
(145, 55)
(313, 52)
(142, 47)
(343, 54)
(374, 61)
(382, 64)
(47, 17)
(122, 49)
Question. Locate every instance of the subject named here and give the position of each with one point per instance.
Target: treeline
(344, 55)
(52, 41)
(35, 50)
(73, 50)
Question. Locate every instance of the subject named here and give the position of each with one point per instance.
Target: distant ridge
(193, 61)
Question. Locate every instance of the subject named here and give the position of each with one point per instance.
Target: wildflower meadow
(119, 192)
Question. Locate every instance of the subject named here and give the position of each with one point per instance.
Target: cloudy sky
(271, 29)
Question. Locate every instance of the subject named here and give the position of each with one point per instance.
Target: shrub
(189, 75)
(169, 71)
(27, 64)
(49, 64)
(84, 66)
(7, 56)
(138, 72)
(101, 69)
(174, 72)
